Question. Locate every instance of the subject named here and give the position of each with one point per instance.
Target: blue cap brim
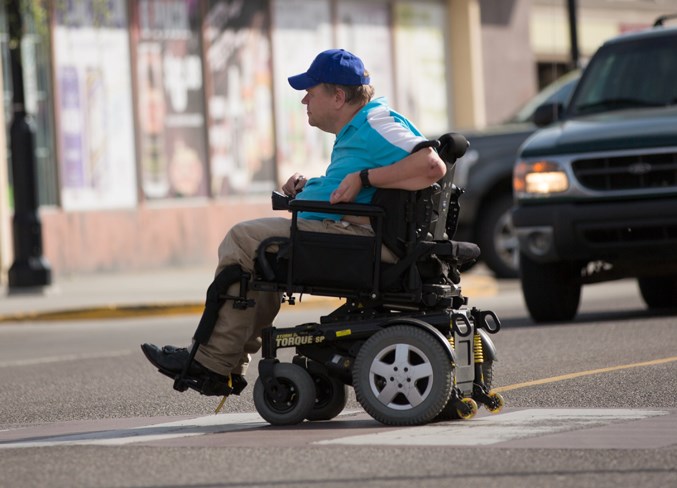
(302, 81)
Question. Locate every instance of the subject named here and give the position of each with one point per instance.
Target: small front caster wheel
(331, 393)
(292, 398)
(467, 409)
(496, 402)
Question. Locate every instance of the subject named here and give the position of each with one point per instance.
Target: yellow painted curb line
(104, 312)
(129, 311)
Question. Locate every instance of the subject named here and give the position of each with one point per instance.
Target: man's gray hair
(355, 94)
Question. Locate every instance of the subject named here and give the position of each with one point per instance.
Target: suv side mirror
(547, 113)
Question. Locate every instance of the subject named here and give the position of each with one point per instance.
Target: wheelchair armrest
(464, 253)
(284, 202)
(280, 201)
(359, 209)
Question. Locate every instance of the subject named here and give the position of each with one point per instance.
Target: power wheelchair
(405, 338)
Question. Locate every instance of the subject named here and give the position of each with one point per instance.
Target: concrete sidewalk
(158, 292)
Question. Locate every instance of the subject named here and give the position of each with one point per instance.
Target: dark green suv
(596, 192)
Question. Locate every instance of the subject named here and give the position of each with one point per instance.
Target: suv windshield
(556, 92)
(631, 74)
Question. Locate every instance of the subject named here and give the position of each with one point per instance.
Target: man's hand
(348, 189)
(294, 184)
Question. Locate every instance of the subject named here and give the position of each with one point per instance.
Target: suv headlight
(539, 178)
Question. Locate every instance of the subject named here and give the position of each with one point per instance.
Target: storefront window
(172, 136)
(93, 106)
(364, 28)
(213, 114)
(239, 97)
(301, 29)
(420, 45)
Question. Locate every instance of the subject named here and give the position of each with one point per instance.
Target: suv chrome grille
(627, 172)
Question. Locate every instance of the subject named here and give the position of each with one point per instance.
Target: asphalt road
(590, 403)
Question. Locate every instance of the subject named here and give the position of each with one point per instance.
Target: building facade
(161, 123)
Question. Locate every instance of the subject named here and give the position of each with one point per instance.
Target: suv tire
(496, 237)
(552, 291)
(659, 291)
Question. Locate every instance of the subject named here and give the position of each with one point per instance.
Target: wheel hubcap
(401, 376)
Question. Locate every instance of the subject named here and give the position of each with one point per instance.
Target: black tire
(449, 412)
(402, 376)
(552, 291)
(496, 237)
(296, 404)
(658, 291)
(331, 394)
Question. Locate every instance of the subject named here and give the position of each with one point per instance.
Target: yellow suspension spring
(453, 346)
(477, 348)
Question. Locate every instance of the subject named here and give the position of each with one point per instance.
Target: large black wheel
(552, 291)
(659, 291)
(331, 394)
(402, 376)
(292, 401)
(497, 239)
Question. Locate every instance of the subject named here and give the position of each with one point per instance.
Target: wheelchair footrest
(205, 386)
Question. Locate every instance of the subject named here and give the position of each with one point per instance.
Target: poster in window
(421, 67)
(172, 140)
(363, 28)
(94, 106)
(240, 101)
(302, 28)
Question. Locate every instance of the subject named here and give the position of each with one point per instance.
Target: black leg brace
(217, 295)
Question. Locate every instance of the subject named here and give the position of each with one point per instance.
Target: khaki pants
(237, 333)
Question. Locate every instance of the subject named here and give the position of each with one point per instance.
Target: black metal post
(573, 33)
(29, 269)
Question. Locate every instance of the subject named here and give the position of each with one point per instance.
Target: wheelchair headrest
(452, 146)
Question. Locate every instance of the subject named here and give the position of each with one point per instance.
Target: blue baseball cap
(335, 66)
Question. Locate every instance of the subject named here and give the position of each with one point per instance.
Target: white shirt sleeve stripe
(392, 131)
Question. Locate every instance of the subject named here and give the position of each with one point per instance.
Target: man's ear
(339, 97)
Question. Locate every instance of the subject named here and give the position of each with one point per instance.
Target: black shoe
(170, 358)
(171, 361)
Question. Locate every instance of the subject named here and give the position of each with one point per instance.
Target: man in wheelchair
(375, 148)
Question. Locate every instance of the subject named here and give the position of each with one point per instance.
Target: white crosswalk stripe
(479, 431)
(181, 428)
(500, 428)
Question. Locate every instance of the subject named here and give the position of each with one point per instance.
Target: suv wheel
(659, 291)
(496, 237)
(552, 291)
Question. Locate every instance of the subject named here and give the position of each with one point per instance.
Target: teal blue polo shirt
(376, 136)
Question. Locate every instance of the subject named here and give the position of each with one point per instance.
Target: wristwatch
(364, 177)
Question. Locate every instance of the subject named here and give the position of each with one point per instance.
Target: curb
(131, 311)
(106, 312)
(478, 286)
